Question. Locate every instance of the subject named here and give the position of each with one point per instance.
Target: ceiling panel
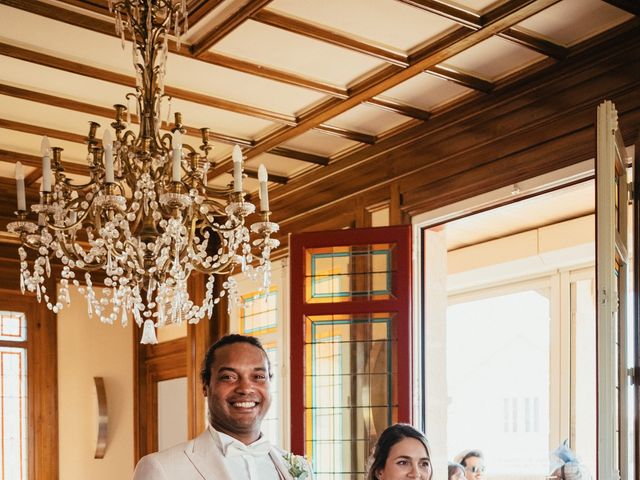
(278, 165)
(295, 53)
(319, 143)
(368, 119)
(493, 58)
(479, 6)
(380, 22)
(426, 91)
(571, 21)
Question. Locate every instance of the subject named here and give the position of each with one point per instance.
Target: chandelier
(146, 219)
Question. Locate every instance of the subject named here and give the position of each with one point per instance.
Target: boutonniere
(297, 466)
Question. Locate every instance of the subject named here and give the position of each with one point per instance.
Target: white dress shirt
(246, 462)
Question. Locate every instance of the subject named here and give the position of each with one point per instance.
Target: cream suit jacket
(197, 459)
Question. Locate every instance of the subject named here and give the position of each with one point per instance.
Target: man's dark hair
(469, 454)
(205, 373)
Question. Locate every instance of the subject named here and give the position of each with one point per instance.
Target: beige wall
(88, 348)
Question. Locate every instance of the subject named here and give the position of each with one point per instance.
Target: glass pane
(270, 423)
(351, 389)
(259, 313)
(340, 274)
(13, 404)
(584, 395)
(13, 326)
(172, 412)
(498, 351)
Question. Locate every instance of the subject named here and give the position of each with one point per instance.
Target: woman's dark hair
(388, 439)
(205, 372)
(453, 468)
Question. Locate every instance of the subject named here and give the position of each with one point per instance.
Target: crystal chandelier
(146, 219)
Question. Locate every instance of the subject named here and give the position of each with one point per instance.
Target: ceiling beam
(302, 156)
(38, 130)
(631, 6)
(329, 36)
(398, 107)
(461, 78)
(120, 79)
(227, 25)
(36, 162)
(431, 55)
(345, 133)
(212, 58)
(458, 14)
(104, 112)
(535, 43)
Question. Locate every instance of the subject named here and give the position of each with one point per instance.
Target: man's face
(238, 392)
(474, 468)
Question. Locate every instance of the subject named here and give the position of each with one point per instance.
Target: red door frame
(401, 305)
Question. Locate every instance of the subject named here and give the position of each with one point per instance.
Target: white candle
(22, 201)
(237, 169)
(264, 192)
(107, 145)
(177, 156)
(46, 164)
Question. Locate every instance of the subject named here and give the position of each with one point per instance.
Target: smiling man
(236, 376)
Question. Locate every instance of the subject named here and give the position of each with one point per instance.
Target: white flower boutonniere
(297, 466)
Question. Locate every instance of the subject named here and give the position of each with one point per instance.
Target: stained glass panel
(13, 326)
(259, 313)
(341, 274)
(351, 390)
(13, 405)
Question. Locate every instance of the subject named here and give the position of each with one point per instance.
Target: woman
(401, 452)
(455, 471)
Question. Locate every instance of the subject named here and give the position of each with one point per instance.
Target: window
(13, 396)
(261, 314)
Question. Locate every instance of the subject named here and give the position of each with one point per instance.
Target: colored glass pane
(13, 422)
(13, 326)
(352, 389)
(339, 274)
(259, 313)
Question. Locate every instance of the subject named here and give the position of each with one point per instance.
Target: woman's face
(407, 459)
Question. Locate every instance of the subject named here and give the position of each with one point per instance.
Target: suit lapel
(207, 458)
(281, 467)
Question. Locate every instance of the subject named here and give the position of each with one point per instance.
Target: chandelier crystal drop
(146, 219)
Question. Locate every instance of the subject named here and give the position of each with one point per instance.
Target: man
(473, 463)
(236, 375)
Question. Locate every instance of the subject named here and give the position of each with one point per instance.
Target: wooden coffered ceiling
(301, 85)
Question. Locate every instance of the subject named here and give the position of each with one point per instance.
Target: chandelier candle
(177, 156)
(107, 145)
(46, 164)
(237, 169)
(263, 176)
(22, 201)
(145, 220)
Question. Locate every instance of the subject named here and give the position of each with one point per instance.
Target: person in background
(236, 376)
(455, 471)
(566, 465)
(401, 452)
(473, 463)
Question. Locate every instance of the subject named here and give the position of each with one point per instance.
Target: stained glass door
(350, 344)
